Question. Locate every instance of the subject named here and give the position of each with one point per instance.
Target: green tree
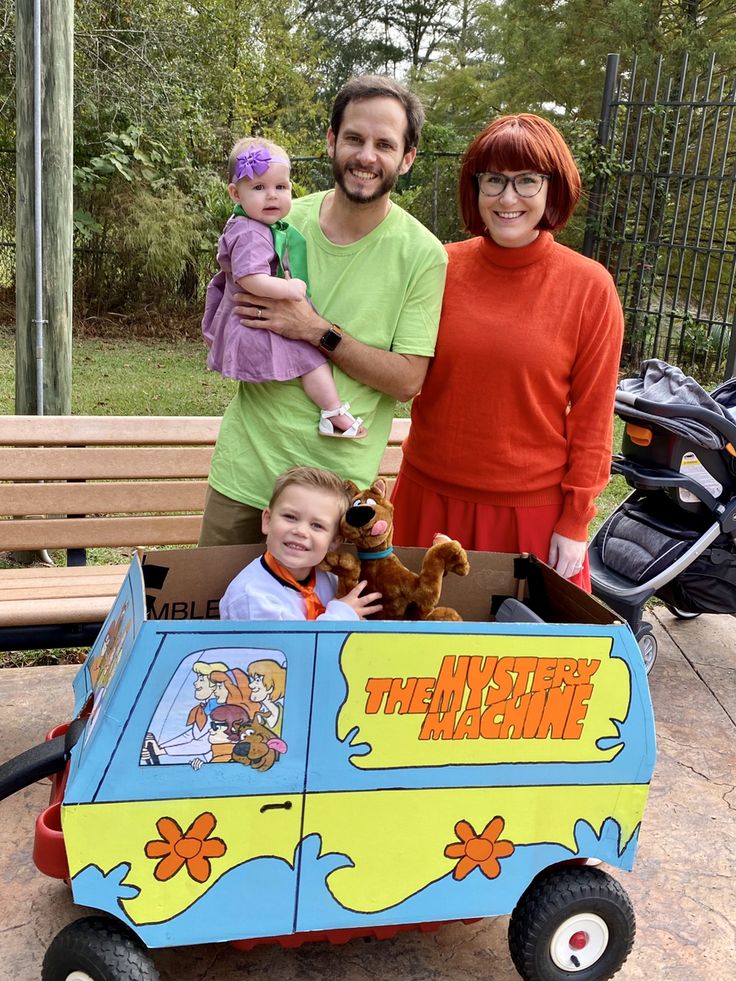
(554, 51)
(351, 37)
(164, 89)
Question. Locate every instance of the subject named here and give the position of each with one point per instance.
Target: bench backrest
(111, 481)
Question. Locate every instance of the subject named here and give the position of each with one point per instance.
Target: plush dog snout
(359, 515)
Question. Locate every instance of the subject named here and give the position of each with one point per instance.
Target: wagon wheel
(97, 949)
(571, 923)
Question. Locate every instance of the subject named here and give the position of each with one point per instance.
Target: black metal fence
(664, 219)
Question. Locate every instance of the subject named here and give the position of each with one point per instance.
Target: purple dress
(248, 354)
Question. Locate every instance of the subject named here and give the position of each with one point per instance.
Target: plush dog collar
(367, 556)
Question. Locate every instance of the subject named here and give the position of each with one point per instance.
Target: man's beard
(383, 185)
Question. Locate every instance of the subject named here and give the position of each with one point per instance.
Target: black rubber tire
(647, 645)
(100, 947)
(681, 614)
(554, 897)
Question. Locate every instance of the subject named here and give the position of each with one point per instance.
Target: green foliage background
(164, 87)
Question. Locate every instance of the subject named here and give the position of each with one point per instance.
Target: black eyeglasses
(525, 185)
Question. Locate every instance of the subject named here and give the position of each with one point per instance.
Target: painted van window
(222, 705)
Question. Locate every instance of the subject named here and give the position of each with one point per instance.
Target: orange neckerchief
(312, 601)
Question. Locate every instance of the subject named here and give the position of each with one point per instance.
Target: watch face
(330, 339)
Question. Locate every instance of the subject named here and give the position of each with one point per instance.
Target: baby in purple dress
(260, 253)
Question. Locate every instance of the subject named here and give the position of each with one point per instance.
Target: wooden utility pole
(57, 77)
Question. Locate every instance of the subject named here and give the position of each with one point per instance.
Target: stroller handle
(679, 410)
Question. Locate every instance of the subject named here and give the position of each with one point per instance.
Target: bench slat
(144, 430)
(86, 609)
(125, 497)
(391, 461)
(59, 590)
(99, 532)
(10, 578)
(399, 431)
(105, 463)
(119, 462)
(151, 430)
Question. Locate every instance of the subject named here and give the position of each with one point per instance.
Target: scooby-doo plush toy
(368, 524)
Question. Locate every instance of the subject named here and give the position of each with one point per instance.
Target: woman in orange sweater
(510, 441)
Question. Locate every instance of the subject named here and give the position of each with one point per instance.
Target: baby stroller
(674, 537)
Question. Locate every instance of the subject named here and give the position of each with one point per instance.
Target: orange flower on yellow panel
(193, 848)
(482, 851)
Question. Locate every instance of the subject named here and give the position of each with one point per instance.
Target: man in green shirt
(376, 279)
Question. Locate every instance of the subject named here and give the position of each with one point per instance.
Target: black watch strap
(330, 339)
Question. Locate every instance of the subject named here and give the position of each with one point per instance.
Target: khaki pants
(228, 522)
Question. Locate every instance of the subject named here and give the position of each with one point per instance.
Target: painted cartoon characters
(237, 715)
(225, 727)
(257, 747)
(267, 681)
(194, 739)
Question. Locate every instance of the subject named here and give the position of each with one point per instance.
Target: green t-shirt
(386, 291)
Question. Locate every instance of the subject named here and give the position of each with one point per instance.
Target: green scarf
(289, 245)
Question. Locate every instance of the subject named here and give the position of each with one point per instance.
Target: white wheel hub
(579, 942)
(79, 976)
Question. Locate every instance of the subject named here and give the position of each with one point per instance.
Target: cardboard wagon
(360, 778)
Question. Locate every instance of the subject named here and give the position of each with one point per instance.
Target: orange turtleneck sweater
(524, 334)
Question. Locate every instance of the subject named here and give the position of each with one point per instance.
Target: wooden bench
(82, 482)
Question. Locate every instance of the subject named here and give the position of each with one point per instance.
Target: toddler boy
(301, 525)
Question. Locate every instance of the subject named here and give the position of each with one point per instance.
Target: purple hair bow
(252, 163)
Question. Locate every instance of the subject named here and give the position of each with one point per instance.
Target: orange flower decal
(194, 848)
(479, 851)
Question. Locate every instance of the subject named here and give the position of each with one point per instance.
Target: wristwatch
(330, 339)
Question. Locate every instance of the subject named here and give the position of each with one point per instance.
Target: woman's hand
(363, 605)
(566, 556)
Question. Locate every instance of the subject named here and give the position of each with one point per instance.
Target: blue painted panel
(158, 700)
(336, 747)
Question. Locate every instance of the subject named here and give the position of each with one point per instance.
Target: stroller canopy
(661, 382)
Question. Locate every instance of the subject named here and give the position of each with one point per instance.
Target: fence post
(604, 125)
(57, 72)
(731, 356)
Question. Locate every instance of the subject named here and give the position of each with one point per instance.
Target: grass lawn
(142, 376)
(131, 377)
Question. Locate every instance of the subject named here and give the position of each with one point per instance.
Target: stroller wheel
(647, 645)
(681, 614)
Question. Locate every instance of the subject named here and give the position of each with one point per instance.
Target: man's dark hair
(375, 87)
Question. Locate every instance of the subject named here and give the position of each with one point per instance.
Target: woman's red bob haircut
(521, 142)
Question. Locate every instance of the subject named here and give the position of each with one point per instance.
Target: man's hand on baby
(364, 606)
(294, 318)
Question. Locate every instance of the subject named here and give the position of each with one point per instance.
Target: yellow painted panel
(108, 834)
(396, 839)
(505, 699)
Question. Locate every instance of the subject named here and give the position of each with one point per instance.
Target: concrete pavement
(683, 886)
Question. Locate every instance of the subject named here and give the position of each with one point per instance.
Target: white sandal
(327, 428)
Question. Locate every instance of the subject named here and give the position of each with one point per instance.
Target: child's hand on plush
(297, 289)
(439, 537)
(363, 605)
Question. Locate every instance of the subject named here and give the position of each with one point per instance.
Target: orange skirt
(419, 513)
